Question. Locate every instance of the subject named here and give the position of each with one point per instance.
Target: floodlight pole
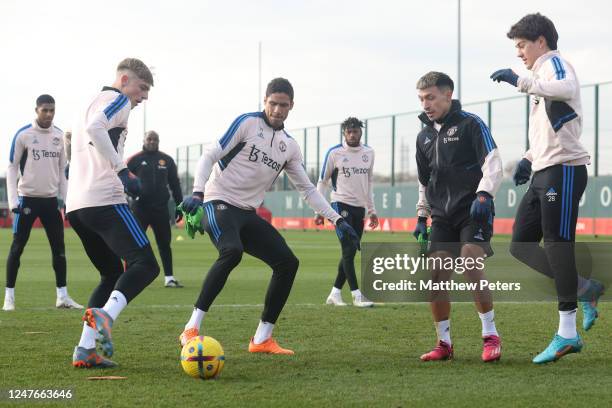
(144, 107)
(259, 79)
(459, 49)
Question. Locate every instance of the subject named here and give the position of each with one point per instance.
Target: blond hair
(137, 67)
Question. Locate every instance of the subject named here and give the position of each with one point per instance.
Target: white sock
(263, 333)
(356, 293)
(168, 278)
(9, 292)
(443, 331)
(115, 304)
(567, 324)
(88, 337)
(583, 285)
(61, 292)
(488, 323)
(196, 319)
(335, 291)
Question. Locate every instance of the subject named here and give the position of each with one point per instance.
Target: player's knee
(289, 266)
(58, 252)
(440, 275)
(231, 254)
(349, 252)
(148, 263)
(294, 263)
(153, 266)
(110, 279)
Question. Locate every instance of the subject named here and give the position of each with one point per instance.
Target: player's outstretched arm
(298, 177)
(555, 81)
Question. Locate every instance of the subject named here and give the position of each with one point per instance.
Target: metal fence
(393, 138)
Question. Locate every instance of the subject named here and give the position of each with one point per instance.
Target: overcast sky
(343, 57)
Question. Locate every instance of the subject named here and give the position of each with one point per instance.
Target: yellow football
(202, 357)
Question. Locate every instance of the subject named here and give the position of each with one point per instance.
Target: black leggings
(549, 210)
(233, 231)
(346, 267)
(51, 219)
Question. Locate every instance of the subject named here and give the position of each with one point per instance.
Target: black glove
(190, 204)
(522, 174)
(18, 209)
(421, 228)
(506, 75)
(482, 207)
(131, 185)
(347, 233)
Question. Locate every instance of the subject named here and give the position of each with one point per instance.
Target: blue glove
(190, 204)
(67, 170)
(506, 75)
(522, 173)
(421, 228)
(482, 207)
(61, 205)
(347, 233)
(131, 185)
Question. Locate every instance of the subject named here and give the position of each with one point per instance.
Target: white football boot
(362, 301)
(66, 302)
(335, 299)
(9, 304)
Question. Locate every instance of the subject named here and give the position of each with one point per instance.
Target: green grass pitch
(344, 356)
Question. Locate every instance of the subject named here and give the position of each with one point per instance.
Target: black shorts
(351, 214)
(111, 228)
(232, 227)
(450, 234)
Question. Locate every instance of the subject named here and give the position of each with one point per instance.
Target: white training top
(350, 172)
(36, 164)
(247, 160)
(555, 120)
(97, 152)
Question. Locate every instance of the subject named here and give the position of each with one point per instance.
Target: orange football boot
(269, 346)
(187, 335)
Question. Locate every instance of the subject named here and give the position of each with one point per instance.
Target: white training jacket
(350, 171)
(555, 119)
(241, 166)
(36, 164)
(97, 152)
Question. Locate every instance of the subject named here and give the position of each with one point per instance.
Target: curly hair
(351, 123)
